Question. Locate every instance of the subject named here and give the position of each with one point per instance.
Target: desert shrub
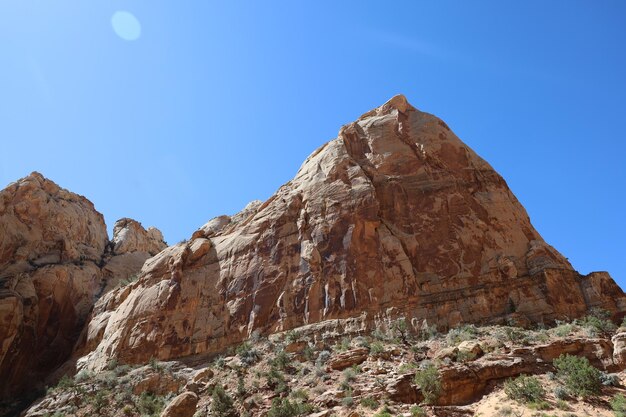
(82, 376)
(65, 382)
(524, 389)
(347, 401)
(429, 382)
(292, 336)
(308, 352)
(322, 358)
(563, 329)
(428, 332)
(155, 364)
(579, 377)
(560, 392)
(222, 404)
(247, 354)
(383, 413)
(300, 394)
(417, 411)
(461, 334)
(562, 405)
(618, 405)
(219, 362)
(539, 405)
(281, 360)
(597, 322)
(376, 348)
(400, 329)
(276, 380)
(512, 335)
(370, 403)
(286, 408)
(343, 345)
(465, 356)
(150, 404)
(540, 336)
(407, 367)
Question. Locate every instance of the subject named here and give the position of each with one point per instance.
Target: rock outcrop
(396, 217)
(53, 266)
(51, 246)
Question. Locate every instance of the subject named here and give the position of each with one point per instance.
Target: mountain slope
(396, 217)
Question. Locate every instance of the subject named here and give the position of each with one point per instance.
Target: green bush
(222, 404)
(429, 382)
(524, 389)
(281, 360)
(292, 336)
(376, 348)
(276, 380)
(150, 404)
(370, 403)
(461, 334)
(563, 329)
(286, 408)
(618, 405)
(417, 411)
(247, 354)
(579, 377)
(597, 322)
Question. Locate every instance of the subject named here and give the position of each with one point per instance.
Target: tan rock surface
(396, 216)
(183, 405)
(51, 243)
(130, 236)
(53, 266)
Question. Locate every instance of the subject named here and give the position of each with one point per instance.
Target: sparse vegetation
(524, 389)
(370, 403)
(286, 408)
(222, 404)
(618, 405)
(429, 382)
(417, 411)
(578, 376)
(247, 354)
(461, 334)
(597, 322)
(376, 348)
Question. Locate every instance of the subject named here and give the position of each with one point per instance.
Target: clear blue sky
(218, 103)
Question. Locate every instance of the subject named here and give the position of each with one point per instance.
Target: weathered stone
(130, 236)
(183, 405)
(51, 242)
(619, 348)
(347, 359)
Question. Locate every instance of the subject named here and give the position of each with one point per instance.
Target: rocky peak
(130, 236)
(395, 218)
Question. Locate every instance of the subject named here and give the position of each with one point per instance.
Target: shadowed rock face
(53, 265)
(396, 217)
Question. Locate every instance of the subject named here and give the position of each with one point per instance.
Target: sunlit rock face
(51, 245)
(396, 217)
(55, 260)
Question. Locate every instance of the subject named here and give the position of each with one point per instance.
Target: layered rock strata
(396, 217)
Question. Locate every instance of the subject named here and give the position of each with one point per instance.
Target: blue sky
(217, 104)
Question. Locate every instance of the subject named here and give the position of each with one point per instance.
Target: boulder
(183, 405)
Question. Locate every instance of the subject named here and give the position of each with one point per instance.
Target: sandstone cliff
(54, 263)
(396, 217)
